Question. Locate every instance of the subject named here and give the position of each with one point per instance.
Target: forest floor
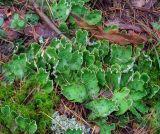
(106, 80)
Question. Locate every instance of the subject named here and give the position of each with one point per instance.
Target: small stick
(75, 114)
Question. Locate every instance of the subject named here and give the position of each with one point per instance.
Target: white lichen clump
(60, 124)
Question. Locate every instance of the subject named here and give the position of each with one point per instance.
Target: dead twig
(76, 115)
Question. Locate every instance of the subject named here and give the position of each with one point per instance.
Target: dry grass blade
(76, 115)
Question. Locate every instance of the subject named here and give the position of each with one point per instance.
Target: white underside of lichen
(129, 67)
(60, 124)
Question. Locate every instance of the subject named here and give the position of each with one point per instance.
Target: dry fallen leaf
(39, 30)
(123, 25)
(114, 37)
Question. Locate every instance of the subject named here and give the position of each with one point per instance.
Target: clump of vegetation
(78, 68)
(17, 23)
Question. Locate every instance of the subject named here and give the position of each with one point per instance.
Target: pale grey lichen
(60, 124)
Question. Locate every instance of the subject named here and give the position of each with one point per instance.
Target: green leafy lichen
(83, 70)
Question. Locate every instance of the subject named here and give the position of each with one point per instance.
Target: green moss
(32, 107)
